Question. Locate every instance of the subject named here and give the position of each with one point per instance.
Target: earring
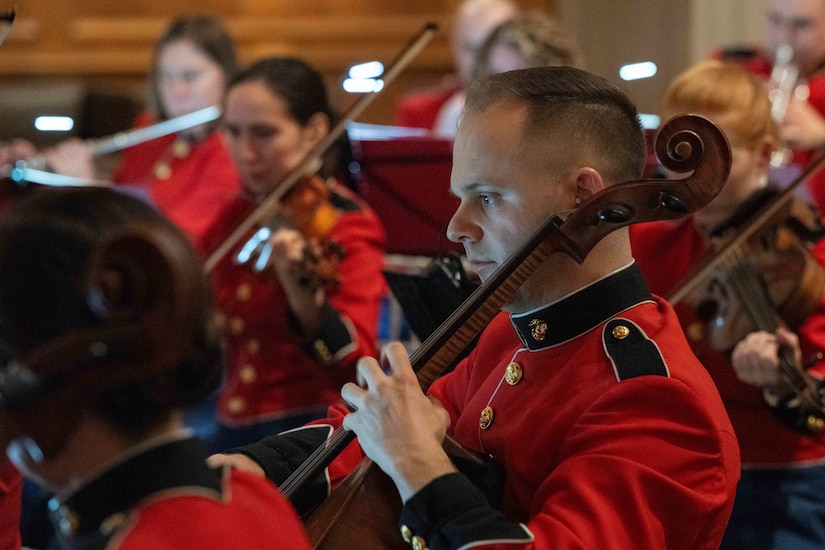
(578, 200)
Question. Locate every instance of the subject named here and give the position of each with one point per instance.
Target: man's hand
(398, 427)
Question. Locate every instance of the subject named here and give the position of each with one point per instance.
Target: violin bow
(271, 202)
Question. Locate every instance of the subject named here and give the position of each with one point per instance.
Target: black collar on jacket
(582, 311)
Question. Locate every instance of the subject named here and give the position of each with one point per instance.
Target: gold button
(236, 405)
(163, 171)
(538, 329)
(815, 424)
(513, 373)
(181, 148)
(244, 292)
(621, 332)
(419, 543)
(486, 418)
(253, 346)
(322, 351)
(247, 374)
(406, 534)
(695, 331)
(236, 325)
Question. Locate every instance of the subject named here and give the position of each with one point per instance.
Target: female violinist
(189, 176)
(780, 499)
(296, 326)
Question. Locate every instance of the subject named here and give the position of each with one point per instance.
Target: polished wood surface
(103, 41)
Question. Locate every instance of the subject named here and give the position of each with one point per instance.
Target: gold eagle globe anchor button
(513, 373)
(486, 418)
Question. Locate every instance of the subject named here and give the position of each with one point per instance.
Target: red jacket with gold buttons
(272, 372)
(189, 184)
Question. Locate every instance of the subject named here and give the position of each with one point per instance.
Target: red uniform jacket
(272, 372)
(190, 184)
(612, 437)
(166, 497)
(11, 489)
(420, 109)
(666, 252)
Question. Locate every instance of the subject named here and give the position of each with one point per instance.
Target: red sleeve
(357, 300)
(420, 109)
(11, 491)
(629, 466)
(812, 332)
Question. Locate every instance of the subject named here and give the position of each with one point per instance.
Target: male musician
(584, 390)
(437, 108)
(107, 332)
(781, 496)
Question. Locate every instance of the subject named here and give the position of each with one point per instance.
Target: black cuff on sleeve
(282, 454)
(333, 337)
(451, 512)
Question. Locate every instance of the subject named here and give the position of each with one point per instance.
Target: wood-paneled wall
(109, 42)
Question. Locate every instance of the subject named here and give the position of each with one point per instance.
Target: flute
(36, 165)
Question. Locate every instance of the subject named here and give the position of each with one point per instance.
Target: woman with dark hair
(294, 333)
(188, 175)
(107, 332)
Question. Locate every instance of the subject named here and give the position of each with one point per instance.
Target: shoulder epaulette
(631, 351)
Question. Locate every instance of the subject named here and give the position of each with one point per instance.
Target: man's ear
(588, 182)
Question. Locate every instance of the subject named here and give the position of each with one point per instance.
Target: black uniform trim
(334, 338)
(631, 351)
(450, 512)
(583, 311)
(344, 204)
(282, 454)
(80, 519)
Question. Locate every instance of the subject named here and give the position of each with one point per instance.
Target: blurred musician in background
(188, 175)
(780, 500)
(800, 26)
(437, 109)
(107, 330)
(297, 323)
(528, 39)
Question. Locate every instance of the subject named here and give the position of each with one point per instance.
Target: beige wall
(672, 33)
(107, 43)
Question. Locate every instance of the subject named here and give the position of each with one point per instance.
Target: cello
(363, 509)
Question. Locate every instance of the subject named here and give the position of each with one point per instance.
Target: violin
(787, 277)
(367, 498)
(307, 209)
(760, 277)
